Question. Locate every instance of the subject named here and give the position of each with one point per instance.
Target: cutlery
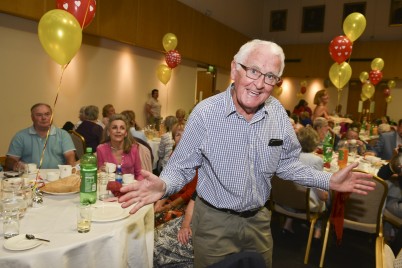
(30, 237)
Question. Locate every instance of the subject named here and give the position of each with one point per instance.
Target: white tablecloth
(123, 243)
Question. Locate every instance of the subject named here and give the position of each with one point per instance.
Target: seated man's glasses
(269, 78)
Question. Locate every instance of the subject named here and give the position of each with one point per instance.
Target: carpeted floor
(356, 250)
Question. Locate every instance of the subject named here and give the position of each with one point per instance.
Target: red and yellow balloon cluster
(341, 47)
(172, 58)
(387, 92)
(369, 80)
(303, 89)
(60, 30)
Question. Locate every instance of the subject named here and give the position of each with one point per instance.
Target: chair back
(145, 156)
(289, 194)
(79, 143)
(364, 212)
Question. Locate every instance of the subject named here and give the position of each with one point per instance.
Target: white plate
(105, 212)
(68, 193)
(19, 242)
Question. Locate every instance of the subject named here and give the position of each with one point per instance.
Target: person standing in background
(321, 99)
(107, 111)
(153, 110)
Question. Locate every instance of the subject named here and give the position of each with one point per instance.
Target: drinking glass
(84, 218)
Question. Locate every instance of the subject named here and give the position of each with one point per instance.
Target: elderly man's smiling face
(249, 94)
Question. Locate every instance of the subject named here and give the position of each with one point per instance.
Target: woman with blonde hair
(321, 100)
(119, 147)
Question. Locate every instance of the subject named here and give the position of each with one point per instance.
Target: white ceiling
(252, 18)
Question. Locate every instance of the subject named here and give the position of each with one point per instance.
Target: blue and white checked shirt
(235, 162)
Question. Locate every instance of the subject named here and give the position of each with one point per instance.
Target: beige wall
(104, 72)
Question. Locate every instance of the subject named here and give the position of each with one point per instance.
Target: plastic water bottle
(327, 149)
(89, 173)
(119, 174)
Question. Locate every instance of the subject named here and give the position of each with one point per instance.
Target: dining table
(116, 238)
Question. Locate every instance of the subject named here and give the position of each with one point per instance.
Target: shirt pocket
(268, 158)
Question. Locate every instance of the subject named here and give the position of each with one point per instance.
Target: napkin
(114, 187)
(337, 214)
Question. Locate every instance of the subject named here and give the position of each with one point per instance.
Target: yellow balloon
(362, 97)
(377, 64)
(391, 84)
(354, 25)
(340, 74)
(368, 90)
(163, 73)
(364, 76)
(388, 99)
(60, 35)
(169, 41)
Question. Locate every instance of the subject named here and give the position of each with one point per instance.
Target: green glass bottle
(89, 172)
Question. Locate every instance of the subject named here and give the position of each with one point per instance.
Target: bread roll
(65, 185)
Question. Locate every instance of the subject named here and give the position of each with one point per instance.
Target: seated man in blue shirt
(27, 145)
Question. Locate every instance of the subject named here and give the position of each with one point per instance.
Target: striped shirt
(234, 157)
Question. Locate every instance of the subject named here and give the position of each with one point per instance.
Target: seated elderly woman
(167, 142)
(174, 205)
(89, 128)
(309, 140)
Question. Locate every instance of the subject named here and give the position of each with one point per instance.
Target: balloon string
(63, 68)
(85, 17)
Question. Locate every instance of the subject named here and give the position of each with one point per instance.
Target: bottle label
(88, 182)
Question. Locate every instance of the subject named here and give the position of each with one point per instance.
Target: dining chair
(384, 256)
(286, 194)
(79, 143)
(362, 213)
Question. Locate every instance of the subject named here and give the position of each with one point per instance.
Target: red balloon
(172, 58)
(375, 76)
(303, 90)
(340, 48)
(387, 92)
(83, 10)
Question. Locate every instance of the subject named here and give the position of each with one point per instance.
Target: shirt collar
(231, 108)
(33, 131)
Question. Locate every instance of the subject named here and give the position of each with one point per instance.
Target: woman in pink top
(119, 147)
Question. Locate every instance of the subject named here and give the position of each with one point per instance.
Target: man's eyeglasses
(269, 78)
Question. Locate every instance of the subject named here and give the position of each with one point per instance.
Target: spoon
(30, 237)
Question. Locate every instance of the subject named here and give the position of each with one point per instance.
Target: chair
(79, 143)
(287, 194)
(362, 213)
(384, 256)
